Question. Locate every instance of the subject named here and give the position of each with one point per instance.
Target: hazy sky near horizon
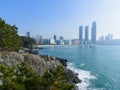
(62, 17)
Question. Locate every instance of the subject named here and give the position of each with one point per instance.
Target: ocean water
(98, 67)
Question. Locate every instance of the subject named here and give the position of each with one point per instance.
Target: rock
(11, 58)
(34, 52)
(76, 88)
(48, 57)
(21, 51)
(63, 61)
(73, 77)
(52, 58)
(76, 80)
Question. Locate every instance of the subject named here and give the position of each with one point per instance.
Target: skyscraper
(41, 40)
(93, 33)
(28, 34)
(108, 37)
(55, 38)
(86, 34)
(37, 39)
(81, 34)
(61, 40)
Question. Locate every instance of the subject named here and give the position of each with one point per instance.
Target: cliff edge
(39, 63)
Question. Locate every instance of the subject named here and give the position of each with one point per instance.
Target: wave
(83, 75)
(82, 64)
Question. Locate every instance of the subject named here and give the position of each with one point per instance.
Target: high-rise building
(28, 34)
(61, 40)
(93, 33)
(41, 40)
(46, 41)
(86, 34)
(52, 42)
(55, 38)
(108, 37)
(67, 42)
(81, 34)
(75, 42)
(37, 39)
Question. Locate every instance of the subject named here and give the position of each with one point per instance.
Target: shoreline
(40, 63)
(38, 46)
(44, 46)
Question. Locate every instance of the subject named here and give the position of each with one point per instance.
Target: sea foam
(83, 75)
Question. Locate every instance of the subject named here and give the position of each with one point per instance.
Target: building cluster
(85, 32)
(61, 41)
(108, 40)
(108, 37)
(52, 41)
(55, 41)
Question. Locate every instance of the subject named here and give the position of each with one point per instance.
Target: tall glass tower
(28, 34)
(86, 34)
(81, 34)
(93, 33)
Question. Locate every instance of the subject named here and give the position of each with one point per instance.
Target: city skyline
(62, 17)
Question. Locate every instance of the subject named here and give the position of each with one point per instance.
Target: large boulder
(72, 77)
(63, 61)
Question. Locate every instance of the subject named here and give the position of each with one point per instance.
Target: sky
(62, 17)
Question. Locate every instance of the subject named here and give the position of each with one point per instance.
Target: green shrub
(23, 77)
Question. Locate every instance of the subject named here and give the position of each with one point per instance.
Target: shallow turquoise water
(99, 66)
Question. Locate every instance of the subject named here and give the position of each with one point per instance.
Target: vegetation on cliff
(10, 40)
(8, 36)
(23, 77)
(27, 42)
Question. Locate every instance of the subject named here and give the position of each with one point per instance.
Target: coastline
(40, 63)
(42, 46)
(45, 46)
(84, 75)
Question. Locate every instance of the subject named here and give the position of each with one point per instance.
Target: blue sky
(62, 17)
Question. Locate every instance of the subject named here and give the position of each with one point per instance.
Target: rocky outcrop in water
(39, 63)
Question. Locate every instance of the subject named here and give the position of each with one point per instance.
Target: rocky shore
(39, 63)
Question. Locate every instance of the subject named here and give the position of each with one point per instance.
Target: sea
(97, 66)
